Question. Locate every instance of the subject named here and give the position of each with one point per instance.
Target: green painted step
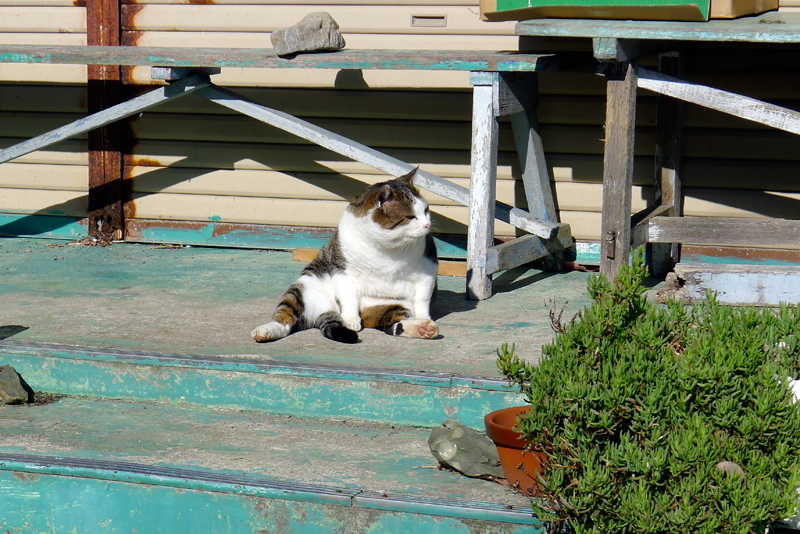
(417, 398)
(99, 465)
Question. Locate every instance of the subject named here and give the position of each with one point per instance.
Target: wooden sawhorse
(504, 84)
(618, 44)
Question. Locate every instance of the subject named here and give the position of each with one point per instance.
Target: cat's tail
(332, 326)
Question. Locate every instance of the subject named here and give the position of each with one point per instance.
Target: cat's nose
(427, 226)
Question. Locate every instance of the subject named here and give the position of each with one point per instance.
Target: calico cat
(377, 271)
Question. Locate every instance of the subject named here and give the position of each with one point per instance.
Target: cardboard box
(684, 10)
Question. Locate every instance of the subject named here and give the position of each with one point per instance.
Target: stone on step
(12, 391)
(315, 33)
(466, 450)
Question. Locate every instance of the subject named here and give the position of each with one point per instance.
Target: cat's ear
(384, 195)
(408, 178)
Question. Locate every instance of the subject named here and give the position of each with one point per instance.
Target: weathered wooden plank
(640, 224)
(775, 28)
(725, 230)
(525, 250)
(266, 58)
(613, 49)
(738, 105)
(106, 220)
(618, 167)
(363, 153)
(758, 285)
(481, 204)
(667, 183)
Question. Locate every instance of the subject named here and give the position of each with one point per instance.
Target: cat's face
(395, 209)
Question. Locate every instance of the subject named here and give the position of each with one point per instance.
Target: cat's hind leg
(288, 317)
(335, 328)
(397, 320)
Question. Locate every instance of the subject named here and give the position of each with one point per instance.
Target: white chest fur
(385, 263)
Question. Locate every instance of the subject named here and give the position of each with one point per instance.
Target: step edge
(233, 364)
(134, 473)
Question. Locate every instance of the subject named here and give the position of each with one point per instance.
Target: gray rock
(12, 390)
(315, 33)
(466, 450)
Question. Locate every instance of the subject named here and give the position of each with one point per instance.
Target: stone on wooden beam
(317, 32)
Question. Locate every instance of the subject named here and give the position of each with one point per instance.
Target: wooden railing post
(106, 220)
(618, 167)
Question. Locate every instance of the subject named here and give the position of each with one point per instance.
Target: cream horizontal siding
(45, 22)
(390, 19)
(192, 160)
(53, 181)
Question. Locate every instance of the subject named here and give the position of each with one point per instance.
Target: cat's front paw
(419, 328)
(270, 332)
(427, 329)
(352, 323)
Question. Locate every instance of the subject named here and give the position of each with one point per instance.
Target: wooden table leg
(669, 125)
(483, 172)
(618, 167)
(535, 176)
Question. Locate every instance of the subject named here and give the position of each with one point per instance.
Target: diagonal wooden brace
(107, 116)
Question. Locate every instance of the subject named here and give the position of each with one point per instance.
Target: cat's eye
(411, 216)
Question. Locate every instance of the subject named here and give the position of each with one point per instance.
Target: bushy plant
(658, 419)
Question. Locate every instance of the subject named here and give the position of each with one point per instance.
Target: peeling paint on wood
(266, 58)
(759, 285)
(301, 390)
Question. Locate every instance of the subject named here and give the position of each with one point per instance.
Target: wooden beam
(618, 167)
(667, 183)
(525, 250)
(758, 285)
(106, 219)
(438, 60)
(640, 224)
(724, 101)
(485, 133)
(613, 49)
(774, 27)
(724, 230)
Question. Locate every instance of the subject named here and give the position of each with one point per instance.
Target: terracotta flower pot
(519, 466)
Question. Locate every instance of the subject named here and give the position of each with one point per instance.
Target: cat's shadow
(448, 302)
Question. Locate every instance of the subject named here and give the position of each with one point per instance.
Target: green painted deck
(173, 408)
(205, 301)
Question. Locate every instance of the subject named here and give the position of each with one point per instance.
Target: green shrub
(636, 404)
